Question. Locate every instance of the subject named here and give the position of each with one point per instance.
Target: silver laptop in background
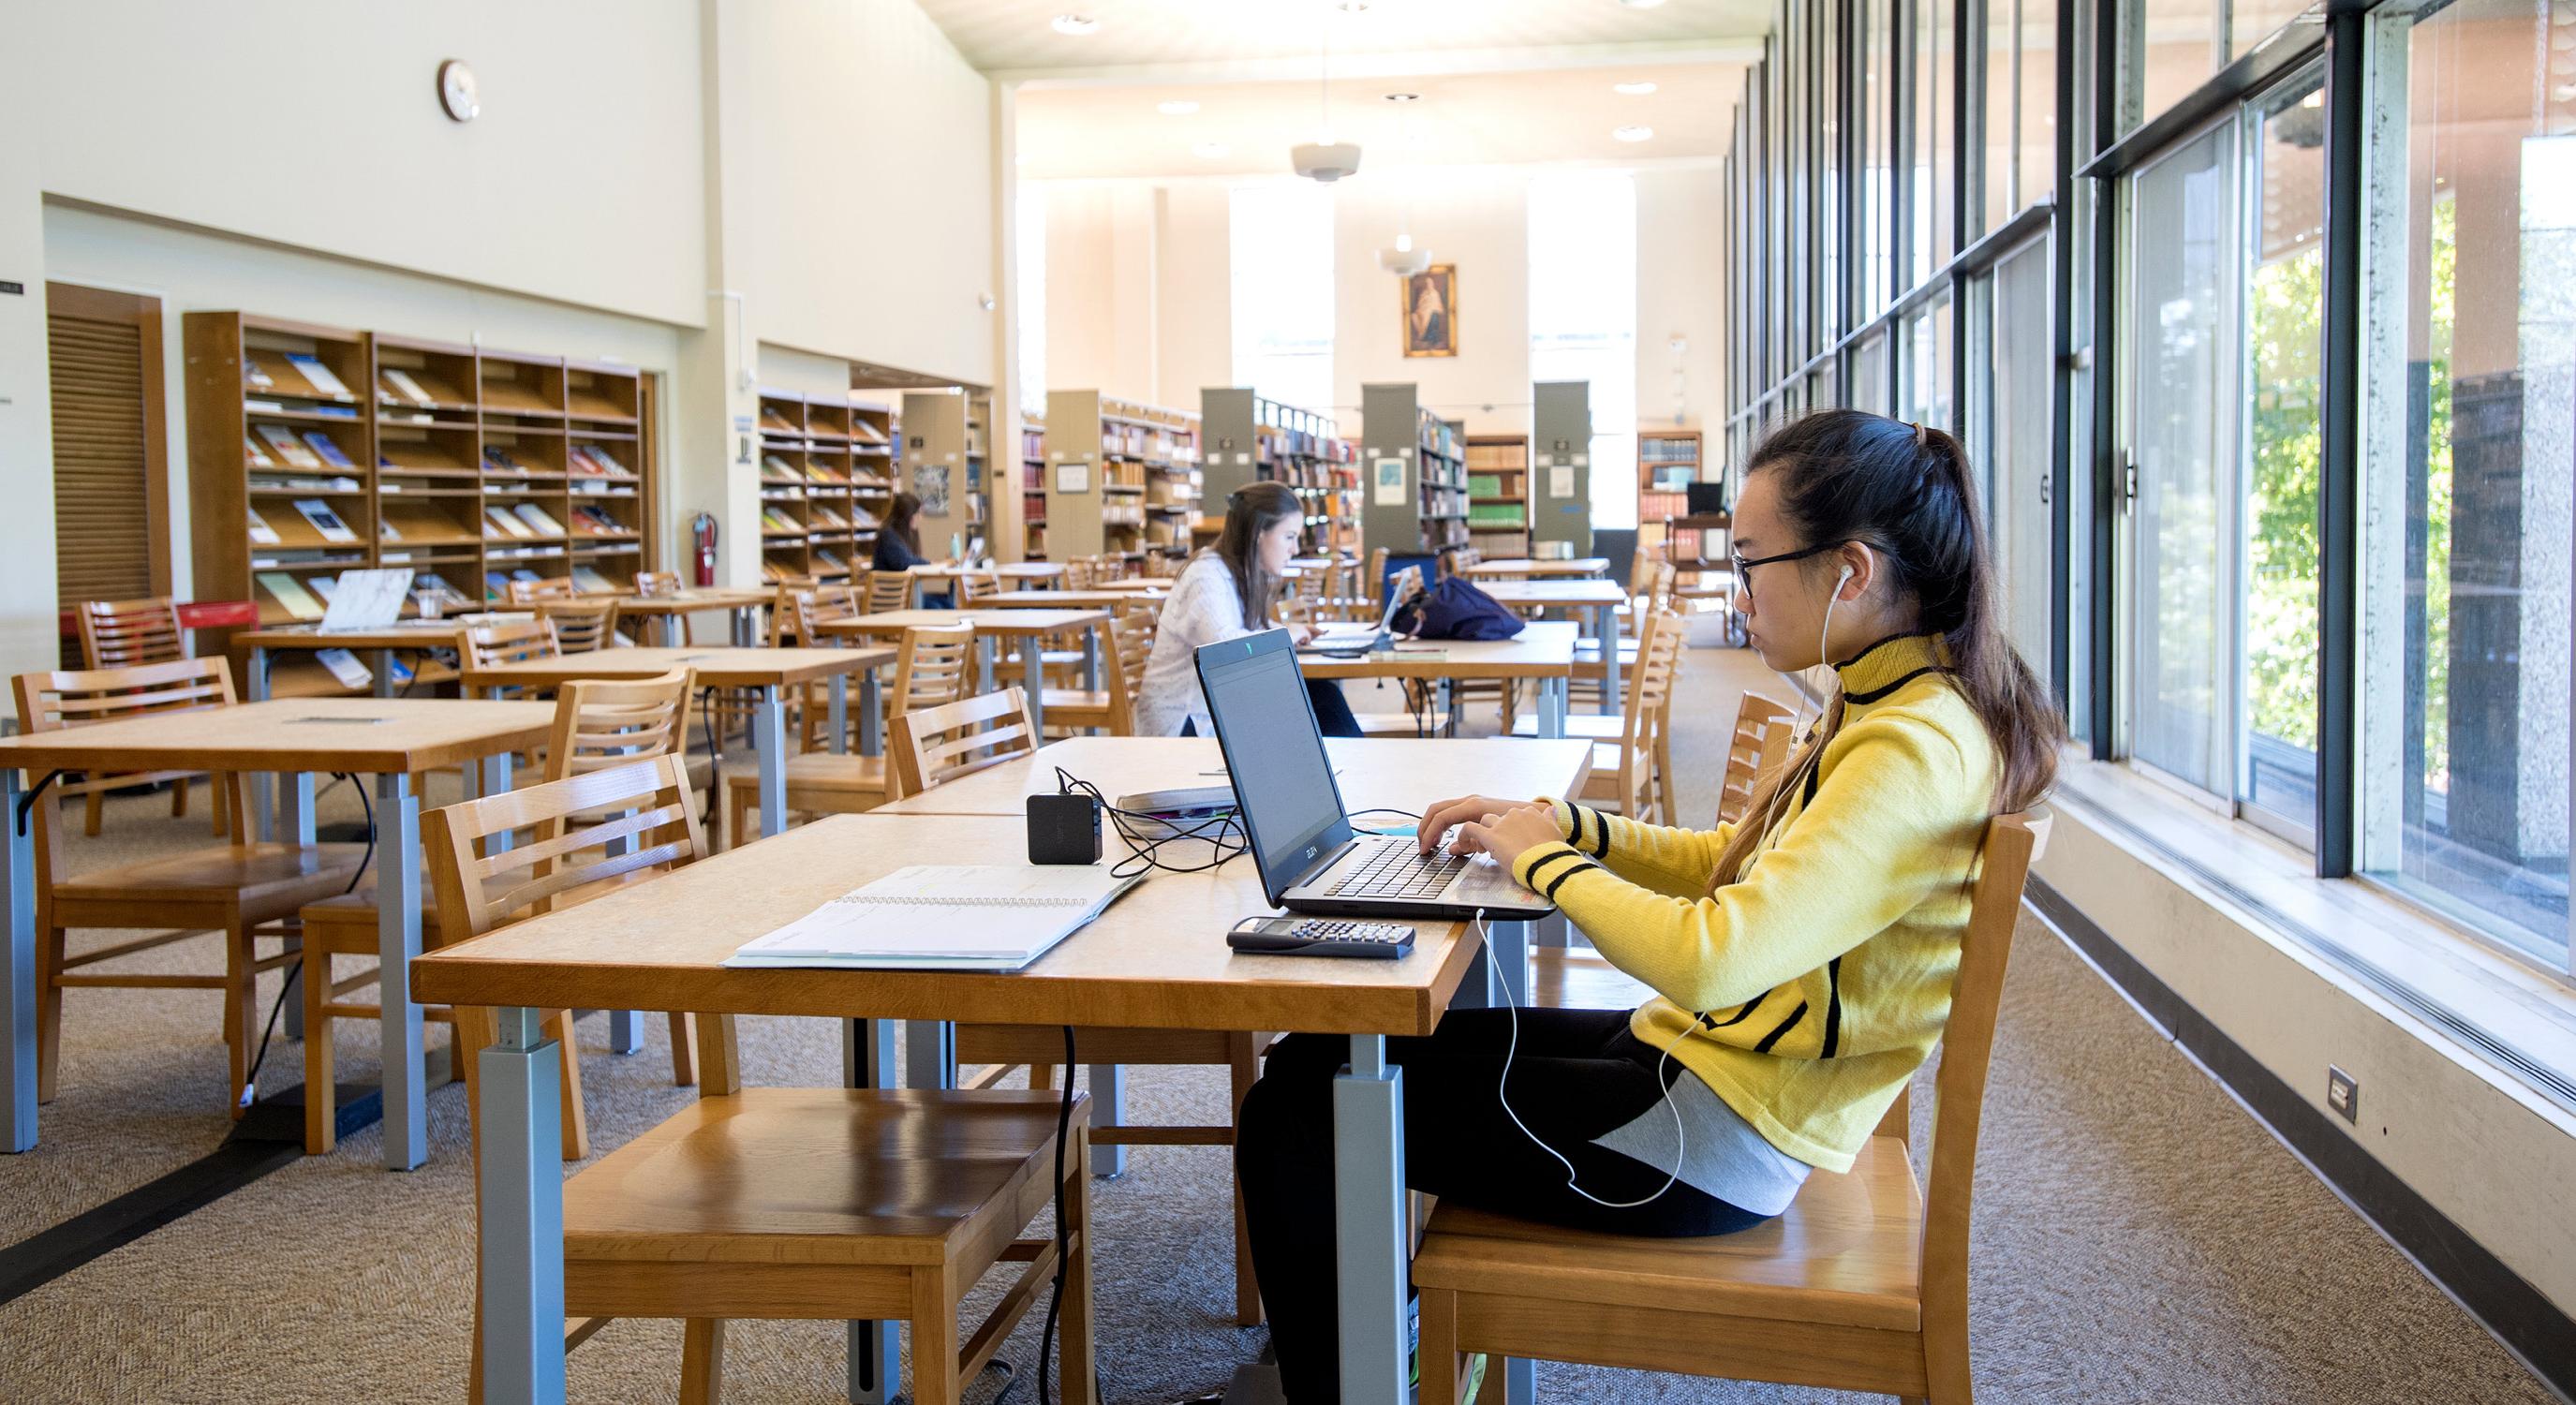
(366, 600)
(1311, 857)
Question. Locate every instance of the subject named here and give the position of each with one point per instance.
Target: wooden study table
(1517, 568)
(410, 637)
(744, 606)
(1544, 651)
(1605, 599)
(769, 672)
(1020, 575)
(392, 739)
(1155, 959)
(1029, 626)
(1068, 599)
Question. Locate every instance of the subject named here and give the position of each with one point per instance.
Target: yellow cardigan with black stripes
(1806, 993)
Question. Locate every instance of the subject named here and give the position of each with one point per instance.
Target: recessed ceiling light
(1404, 97)
(1641, 4)
(1177, 107)
(1084, 24)
(1634, 133)
(1355, 7)
(1209, 150)
(1632, 90)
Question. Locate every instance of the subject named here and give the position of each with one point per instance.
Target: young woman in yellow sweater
(1801, 959)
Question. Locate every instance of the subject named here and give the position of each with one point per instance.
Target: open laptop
(1356, 639)
(366, 600)
(1311, 858)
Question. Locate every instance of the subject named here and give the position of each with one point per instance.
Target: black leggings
(1577, 1075)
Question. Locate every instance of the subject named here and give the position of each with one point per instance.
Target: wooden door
(111, 447)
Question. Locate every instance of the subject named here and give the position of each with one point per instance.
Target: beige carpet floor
(2138, 1236)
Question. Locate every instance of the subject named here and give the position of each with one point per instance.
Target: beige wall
(1109, 240)
(829, 162)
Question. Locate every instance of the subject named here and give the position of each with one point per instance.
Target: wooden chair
(936, 745)
(661, 583)
(1759, 747)
(1862, 1285)
(242, 890)
(580, 626)
(508, 640)
(600, 723)
(886, 590)
(1624, 768)
(1112, 707)
(123, 634)
(530, 592)
(931, 667)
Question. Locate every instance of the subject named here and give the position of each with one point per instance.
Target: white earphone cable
(1502, 1094)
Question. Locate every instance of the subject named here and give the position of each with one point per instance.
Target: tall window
(2226, 314)
(1280, 239)
(1935, 194)
(1032, 292)
(2471, 400)
(1583, 318)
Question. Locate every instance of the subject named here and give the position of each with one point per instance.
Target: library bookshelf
(1033, 503)
(1498, 495)
(313, 450)
(825, 482)
(1131, 489)
(1245, 437)
(1413, 472)
(1668, 462)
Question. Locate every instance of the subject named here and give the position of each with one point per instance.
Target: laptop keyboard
(1398, 869)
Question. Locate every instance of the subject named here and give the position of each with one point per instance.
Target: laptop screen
(1283, 780)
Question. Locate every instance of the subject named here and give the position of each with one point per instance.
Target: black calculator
(1320, 936)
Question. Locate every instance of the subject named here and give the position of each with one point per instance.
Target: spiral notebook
(957, 917)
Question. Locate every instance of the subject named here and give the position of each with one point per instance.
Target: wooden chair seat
(1847, 1252)
(1435, 722)
(1591, 725)
(818, 783)
(259, 882)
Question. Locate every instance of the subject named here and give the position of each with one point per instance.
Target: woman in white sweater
(1227, 592)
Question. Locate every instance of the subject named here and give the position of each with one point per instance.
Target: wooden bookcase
(1032, 472)
(1122, 477)
(1247, 438)
(1421, 508)
(1668, 460)
(431, 448)
(1498, 495)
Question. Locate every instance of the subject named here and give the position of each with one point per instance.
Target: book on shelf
(286, 446)
(525, 576)
(290, 595)
(496, 586)
(435, 586)
(591, 582)
(594, 460)
(538, 519)
(337, 412)
(319, 376)
(387, 531)
(254, 455)
(323, 588)
(345, 667)
(324, 520)
(253, 373)
(497, 460)
(506, 522)
(778, 470)
(825, 560)
(594, 522)
(261, 534)
(777, 521)
(402, 383)
(330, 452)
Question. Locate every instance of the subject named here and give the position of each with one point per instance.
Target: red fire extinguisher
(703, 526)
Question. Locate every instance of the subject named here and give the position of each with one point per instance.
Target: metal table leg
(769, 743)
(294, 820)
(1551, 707)
(397, 942)
(1108, 1109)
(1606, 624)
(18, 1002)
(876, 1348)
(871, 714)
(1033, 673)
(839, 714)
(1507, 945)
(263, 787)
(385, 673)
(521, 1179)
(1369, 1223)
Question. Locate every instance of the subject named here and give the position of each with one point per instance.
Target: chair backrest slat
(473, 883)
(605, 722)
(581, 626)
(531, 592)
(888, 590)
(934, 665)
(657, 582)
(1760, 746)
(58, 699)
(939, 744)
(500, 641)
(123, 633)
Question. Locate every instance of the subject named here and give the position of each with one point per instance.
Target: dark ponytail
(1904, 491)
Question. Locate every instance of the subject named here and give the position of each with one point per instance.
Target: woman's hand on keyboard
(1507, 835)
(1441, 816)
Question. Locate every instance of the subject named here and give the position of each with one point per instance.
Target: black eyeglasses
(1744, 581)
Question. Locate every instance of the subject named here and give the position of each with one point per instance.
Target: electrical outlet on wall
(2343, 1094)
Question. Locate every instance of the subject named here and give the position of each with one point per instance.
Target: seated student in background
(1227, 592)
(1801, 959)
(899, 545)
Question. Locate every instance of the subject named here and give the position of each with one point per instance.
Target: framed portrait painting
(1431, 311)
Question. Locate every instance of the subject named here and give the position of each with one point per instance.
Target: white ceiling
(1551, 116)
(1016, 37)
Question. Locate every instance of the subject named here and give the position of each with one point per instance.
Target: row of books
(312, 380)
(311, 449)
(316, 513)
(526, 521)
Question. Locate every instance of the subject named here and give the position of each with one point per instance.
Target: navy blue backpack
(1455, 609)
